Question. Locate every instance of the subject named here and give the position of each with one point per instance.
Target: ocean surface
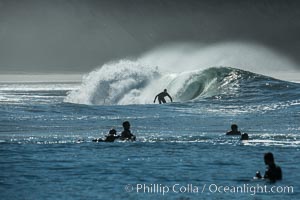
(181, 152)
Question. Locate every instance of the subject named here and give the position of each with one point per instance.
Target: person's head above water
(234, 130)
(269, 158)
(126, 125)
(234, 127)
(244, 136)
(112, 132)
(273, 172)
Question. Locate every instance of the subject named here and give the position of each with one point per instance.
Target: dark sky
(74, 36)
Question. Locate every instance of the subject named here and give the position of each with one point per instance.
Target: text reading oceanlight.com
(210, 188)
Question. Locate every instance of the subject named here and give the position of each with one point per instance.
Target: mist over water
(179, 57)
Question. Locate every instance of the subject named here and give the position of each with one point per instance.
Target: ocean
(181, 151)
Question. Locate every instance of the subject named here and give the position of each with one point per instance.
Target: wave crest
(130, 82)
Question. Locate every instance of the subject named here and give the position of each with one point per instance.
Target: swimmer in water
(234, 130)
(273, 172)
(245, 136)
(109, 138)
(126, 134)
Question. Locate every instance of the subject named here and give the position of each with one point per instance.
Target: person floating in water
(273, 172)
(126, 134)
(161, 97)
(234, 130)
(245, 136)
(109, 138)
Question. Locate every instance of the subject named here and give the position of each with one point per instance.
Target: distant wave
(130, 82)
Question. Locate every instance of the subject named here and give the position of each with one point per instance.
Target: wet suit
(161, 97)
(127, 135)
(111, 138)
(233, 133)
(273, 173)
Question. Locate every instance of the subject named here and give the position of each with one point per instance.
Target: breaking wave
(131, 82)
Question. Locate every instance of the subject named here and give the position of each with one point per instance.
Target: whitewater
(47, 128)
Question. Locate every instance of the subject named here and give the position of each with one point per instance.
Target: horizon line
(21, 78)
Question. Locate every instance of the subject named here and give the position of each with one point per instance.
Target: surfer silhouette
(126, 134)
(109, 138)
(161, 97)
(273, 172)
(234, 130)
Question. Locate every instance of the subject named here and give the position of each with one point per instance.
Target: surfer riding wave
(161, 97)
